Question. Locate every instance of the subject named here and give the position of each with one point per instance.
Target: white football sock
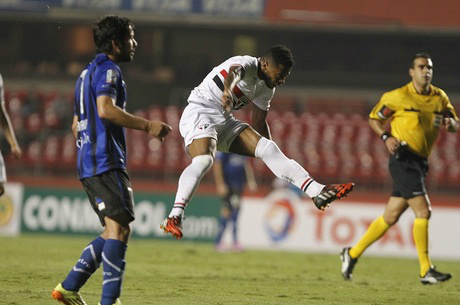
(286, 169)
(189, 181)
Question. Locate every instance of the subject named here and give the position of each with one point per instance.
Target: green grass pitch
(177, 272)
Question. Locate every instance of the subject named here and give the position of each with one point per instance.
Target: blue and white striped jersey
(101, 144)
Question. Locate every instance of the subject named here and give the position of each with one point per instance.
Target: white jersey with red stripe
(250, 89)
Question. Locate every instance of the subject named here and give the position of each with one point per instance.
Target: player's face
(275, 75)
(127, 47)
(422, 72)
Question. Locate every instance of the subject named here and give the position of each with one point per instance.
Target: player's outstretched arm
(107, 110)
(159, 129)
(10, 136)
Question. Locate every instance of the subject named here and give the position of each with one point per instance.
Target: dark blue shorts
(111, 195)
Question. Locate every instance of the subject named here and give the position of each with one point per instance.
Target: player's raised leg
(249, 142)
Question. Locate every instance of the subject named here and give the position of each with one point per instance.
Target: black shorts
(408, 175)
(111, 195)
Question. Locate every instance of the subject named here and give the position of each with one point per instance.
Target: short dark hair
(110, 28)
(418, 55)
(280, 55)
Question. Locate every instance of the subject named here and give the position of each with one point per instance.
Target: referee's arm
(391, 142)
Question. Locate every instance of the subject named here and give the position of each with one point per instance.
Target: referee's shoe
(348, 263)
(433, 277)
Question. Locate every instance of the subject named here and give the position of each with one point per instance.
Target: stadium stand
(329, 142)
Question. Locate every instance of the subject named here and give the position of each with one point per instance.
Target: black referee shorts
(408, 174)
(111, 195)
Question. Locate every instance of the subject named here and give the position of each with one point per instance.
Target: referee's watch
(385, 136)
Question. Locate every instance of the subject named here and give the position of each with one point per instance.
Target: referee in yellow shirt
(416, 112)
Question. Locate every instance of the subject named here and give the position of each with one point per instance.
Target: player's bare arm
(250, 177)
(235, 74)
(75, 126)
(221, 187)
(259, 122)
(158, 129)
(391, 143)
(10, 136)
(107, 110)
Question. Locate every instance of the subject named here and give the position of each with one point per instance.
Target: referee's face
(422, 72)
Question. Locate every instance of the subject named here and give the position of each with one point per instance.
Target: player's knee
(204, 162)
(265, 145)
(391, 218)
(424, 213)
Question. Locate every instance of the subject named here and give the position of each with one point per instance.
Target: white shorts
(209, 121)
(2, 169)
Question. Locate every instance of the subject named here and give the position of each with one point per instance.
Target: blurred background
(347, 53)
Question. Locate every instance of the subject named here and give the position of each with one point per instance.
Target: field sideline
(177, 272)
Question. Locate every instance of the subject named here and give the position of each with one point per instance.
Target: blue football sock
(222, 226)
(89, 261)
(234, 217)
(113, 258)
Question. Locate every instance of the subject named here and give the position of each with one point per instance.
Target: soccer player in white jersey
(207, 125)
(5, 125)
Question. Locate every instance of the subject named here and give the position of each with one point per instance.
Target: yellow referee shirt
(415, 118)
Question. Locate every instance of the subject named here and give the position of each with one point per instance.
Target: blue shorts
(111, 195)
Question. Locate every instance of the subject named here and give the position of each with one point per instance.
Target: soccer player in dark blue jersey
(98, 126)
(232, 173)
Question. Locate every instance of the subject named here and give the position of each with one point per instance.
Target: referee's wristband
(385, 136)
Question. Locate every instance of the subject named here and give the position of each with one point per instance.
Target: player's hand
(450, 124)
(252, 186)
(392, 145)
(222, 190)
(16, 151)
(227, 100)
(159, 129)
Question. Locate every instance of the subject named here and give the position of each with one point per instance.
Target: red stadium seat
(52, 152)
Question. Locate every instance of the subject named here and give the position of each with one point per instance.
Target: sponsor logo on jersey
(81, 125)
(111, 76)
(241, 102)
(82, 140)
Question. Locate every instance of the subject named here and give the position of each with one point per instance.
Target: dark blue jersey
(233, 169)
(101, 145)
